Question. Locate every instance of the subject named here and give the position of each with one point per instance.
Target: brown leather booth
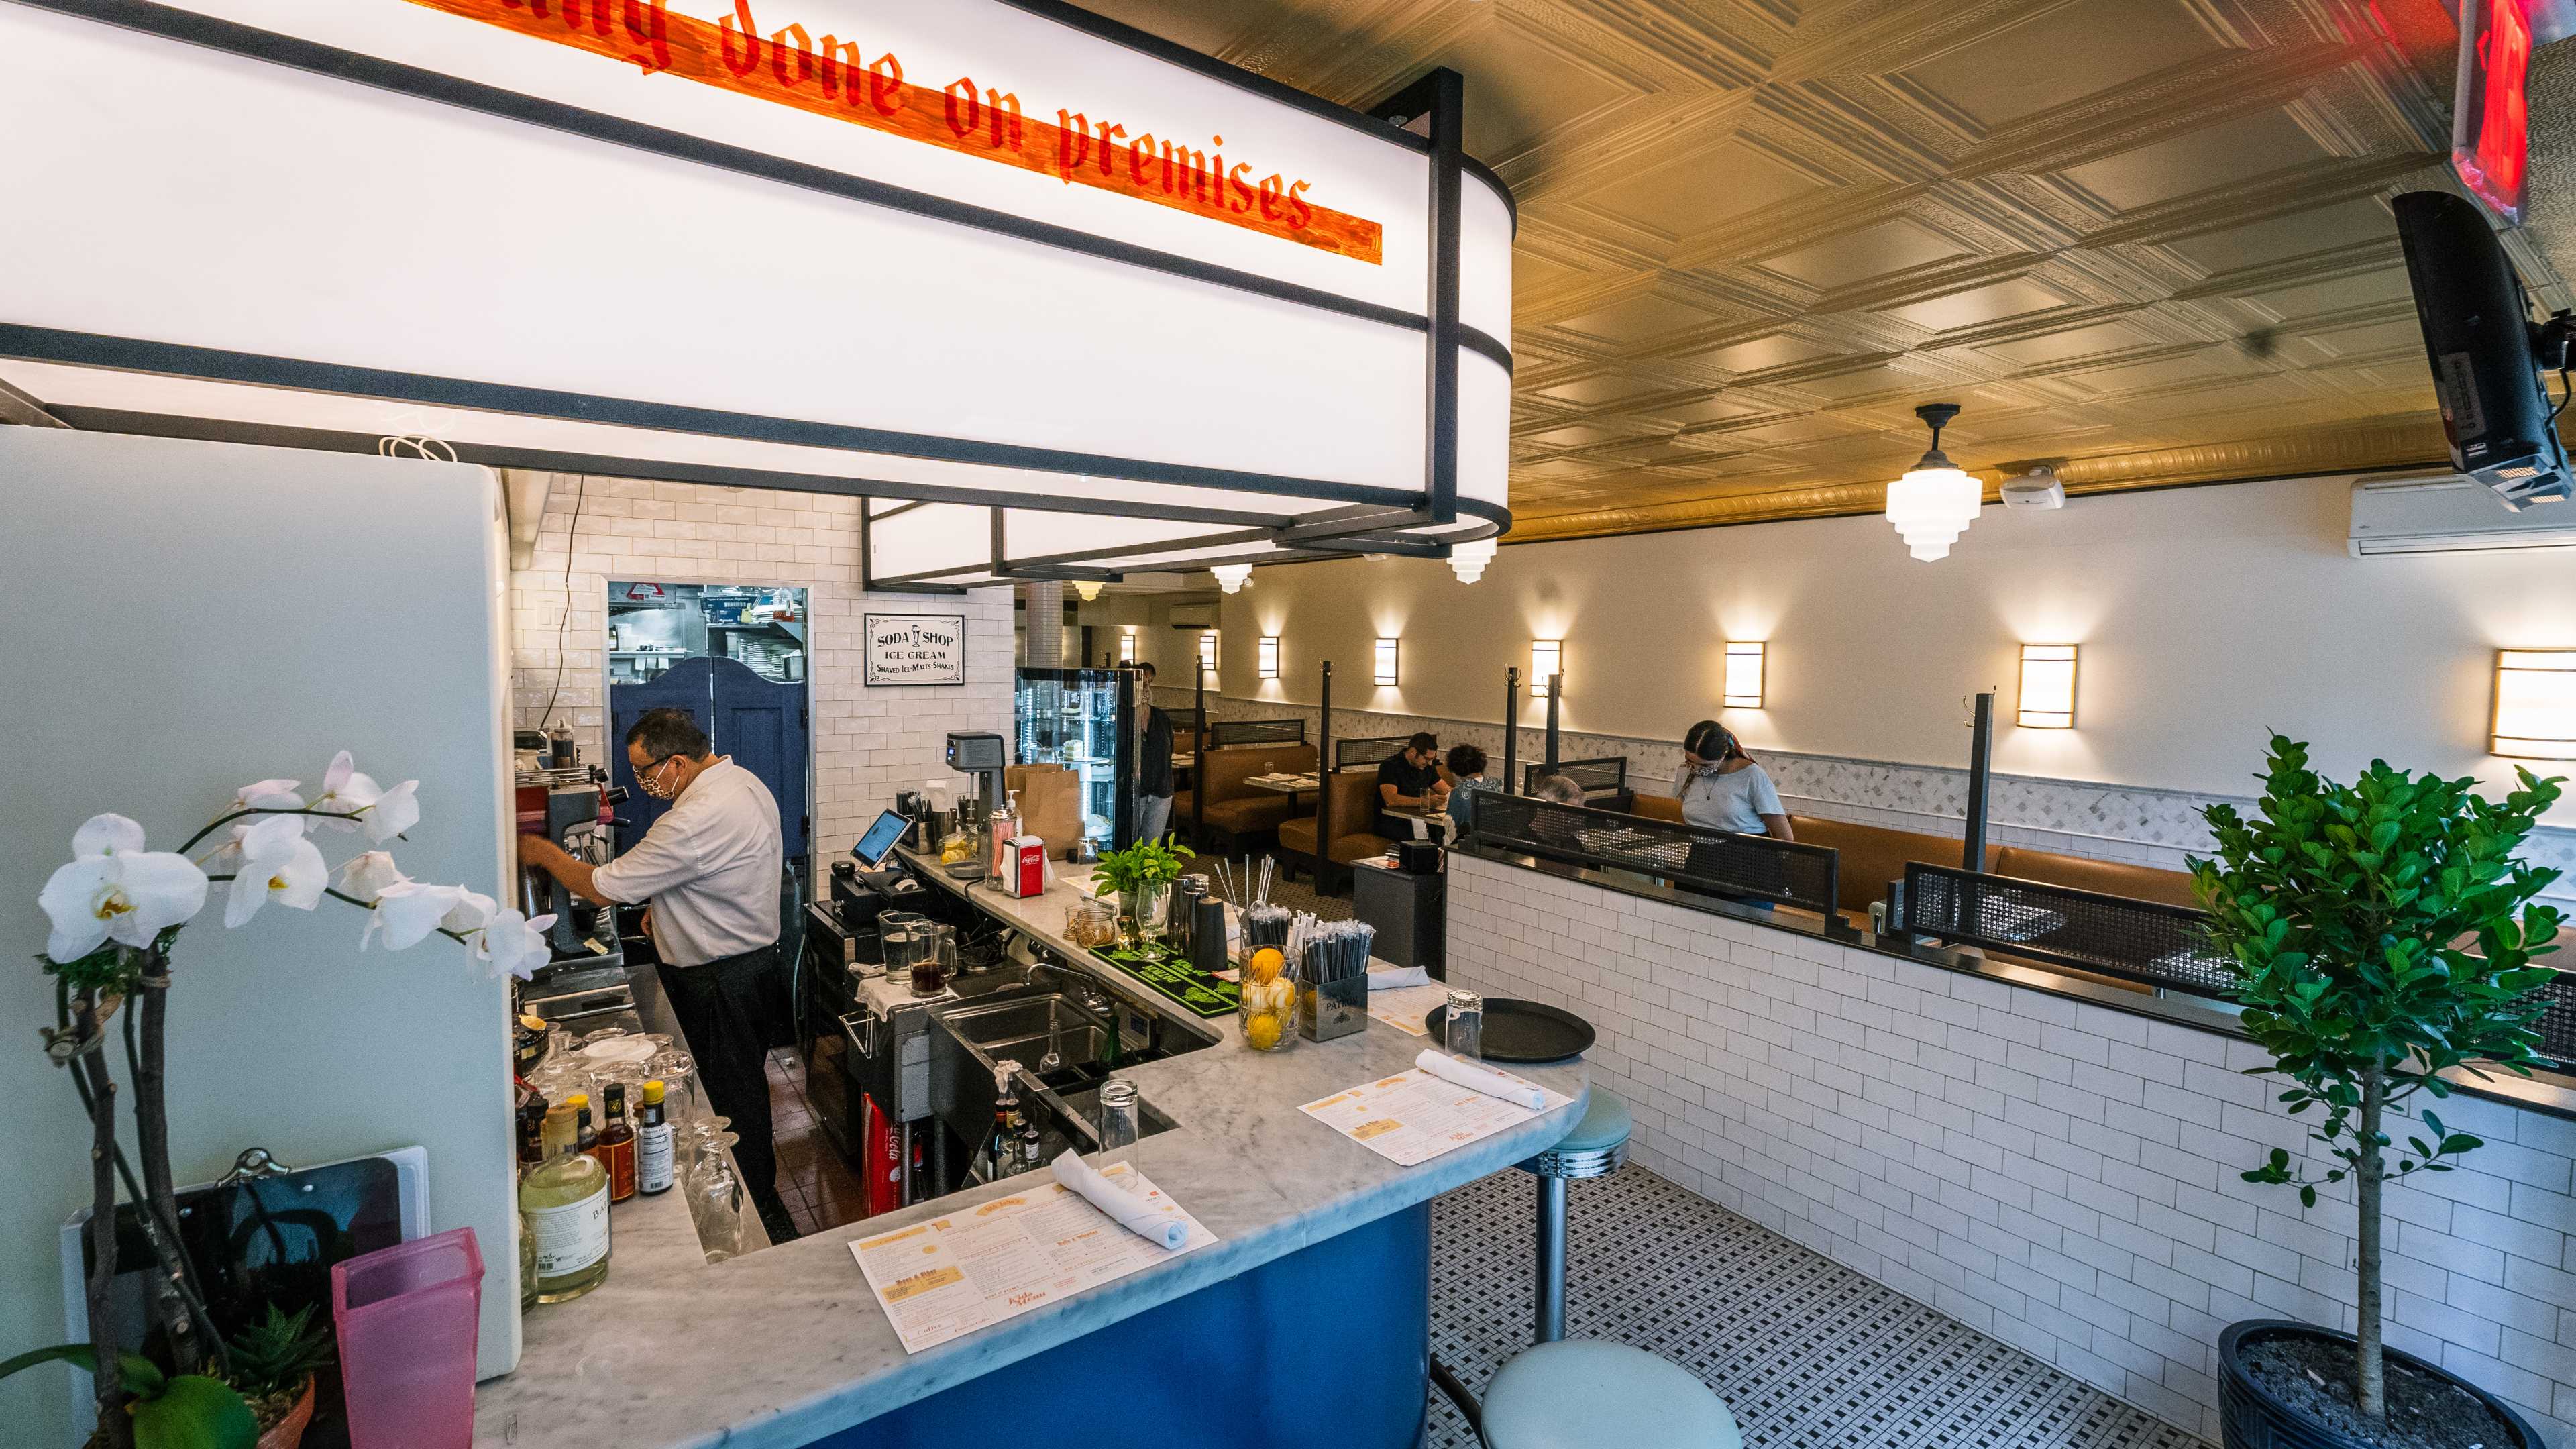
(1874, 855)
(1234, 807)
(1354, 801)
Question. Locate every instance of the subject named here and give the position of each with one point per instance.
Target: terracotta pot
(288, 1432)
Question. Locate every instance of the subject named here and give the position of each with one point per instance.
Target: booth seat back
(1355, 837)
(1657, 807)
(1243, 809)
(1873, 855)
(2110, 877)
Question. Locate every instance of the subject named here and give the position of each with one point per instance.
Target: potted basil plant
(2382, 934)
(1142, 877)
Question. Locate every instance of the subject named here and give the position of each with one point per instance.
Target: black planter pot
(2251, 1418)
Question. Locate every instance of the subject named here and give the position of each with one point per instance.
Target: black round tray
(1531, 1033)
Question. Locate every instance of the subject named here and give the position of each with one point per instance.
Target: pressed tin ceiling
(2146, 240)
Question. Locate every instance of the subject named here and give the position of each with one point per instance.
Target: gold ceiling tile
(1840, 262)
(2055, 57)
(1985, 306)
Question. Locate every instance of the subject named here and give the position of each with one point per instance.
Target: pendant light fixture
(1468, 560)
(1231, 577)
(1936, 500)
(1088, 588)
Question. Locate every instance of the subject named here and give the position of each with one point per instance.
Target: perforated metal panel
(1607, 776)
(1350, 754)
(1690, 857)
(1258, 731)
(2143, 940)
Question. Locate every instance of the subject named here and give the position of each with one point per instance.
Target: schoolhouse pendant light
(1936, 500)
(1231, 577)
(1468, 560)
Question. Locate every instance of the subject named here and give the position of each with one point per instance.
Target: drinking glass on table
(1117, 1114)
(1463, 1033)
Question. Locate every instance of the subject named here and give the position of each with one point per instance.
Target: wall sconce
(1270, 656)
(1744, 674)
(2047, 687)
(1386, 661)
(1127, 646)
(1547, 660)
(2535, 704)
(1207, 650)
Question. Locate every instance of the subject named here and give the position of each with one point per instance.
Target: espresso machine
(586, 976)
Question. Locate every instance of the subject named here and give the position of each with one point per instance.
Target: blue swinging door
(762, 723)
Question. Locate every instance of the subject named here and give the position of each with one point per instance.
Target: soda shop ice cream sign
(916, 649)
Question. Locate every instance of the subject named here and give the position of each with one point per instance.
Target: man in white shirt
(708, 875)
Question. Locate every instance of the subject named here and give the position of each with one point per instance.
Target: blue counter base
(1330, 1345)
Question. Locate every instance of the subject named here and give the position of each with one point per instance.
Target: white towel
(1125, 1208)
(1484, 1079)
(1396, 978)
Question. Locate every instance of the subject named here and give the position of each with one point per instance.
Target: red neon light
(2491, 143)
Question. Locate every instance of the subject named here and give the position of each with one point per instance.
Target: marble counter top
(778, 1348)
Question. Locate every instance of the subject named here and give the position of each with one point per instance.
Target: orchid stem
(223, 821)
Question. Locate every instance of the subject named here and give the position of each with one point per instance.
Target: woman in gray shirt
(1723, 789)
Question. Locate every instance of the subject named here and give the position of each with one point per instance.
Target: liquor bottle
(532, 1152)
(1001, 1154)
(617, 1146)
(565, 1200)
(653, 1149)
(1032, 1148)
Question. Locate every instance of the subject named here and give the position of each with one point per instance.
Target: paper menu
(970, 1269)
(1413, 1116)
(1405, 1007)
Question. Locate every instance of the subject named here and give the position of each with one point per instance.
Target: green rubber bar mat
(1163, 969)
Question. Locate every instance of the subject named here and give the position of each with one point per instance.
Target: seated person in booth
(1153, 761)
(708, 874)
(1723, 789)
(1466, 772)
(1556, 827)
(1409, 779)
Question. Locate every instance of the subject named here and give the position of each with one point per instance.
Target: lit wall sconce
(1386, 661)
(1207, 650)
(1744, 674)
(1547, 660)
(2535, 704)
(1127, 646)
(1270, 656)
(2047, 687)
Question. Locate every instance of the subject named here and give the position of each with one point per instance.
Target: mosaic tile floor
(1808, 1354)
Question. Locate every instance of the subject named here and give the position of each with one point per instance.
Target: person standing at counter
(1153, 761)
(707, 873)
(1723, 789)
(1409, 779)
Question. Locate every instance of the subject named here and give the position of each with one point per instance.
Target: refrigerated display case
(1086, 721)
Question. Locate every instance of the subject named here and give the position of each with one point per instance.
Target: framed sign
(916, 649)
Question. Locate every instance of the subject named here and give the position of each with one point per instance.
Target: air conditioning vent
(1194, 616)
(2449, 513)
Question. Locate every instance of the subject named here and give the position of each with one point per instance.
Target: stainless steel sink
(1025, 1028)
(1020, 1023)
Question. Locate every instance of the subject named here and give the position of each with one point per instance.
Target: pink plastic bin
(407, 1316)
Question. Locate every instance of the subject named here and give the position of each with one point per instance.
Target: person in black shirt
(1410, 779)
(1153, 763)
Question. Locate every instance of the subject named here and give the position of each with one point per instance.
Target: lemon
(1265, 965)
(1261, 1031)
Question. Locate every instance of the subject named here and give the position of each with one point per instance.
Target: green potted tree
(2382, 934)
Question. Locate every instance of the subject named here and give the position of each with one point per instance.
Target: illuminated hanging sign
(810, 245)
(2491, 120)
(829, 76)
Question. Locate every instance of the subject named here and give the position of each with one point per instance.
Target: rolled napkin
(1396, 978)
(1125, 1208)
(1483, 1079)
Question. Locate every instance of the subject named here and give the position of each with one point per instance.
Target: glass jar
(1464, 1031)
(1268, 1014)
(1092, 922)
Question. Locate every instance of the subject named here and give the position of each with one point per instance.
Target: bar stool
(1574, 1395)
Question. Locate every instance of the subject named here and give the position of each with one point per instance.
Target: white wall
(2205, 615)
(868, 743)
(2060, 1175)
(187, 618)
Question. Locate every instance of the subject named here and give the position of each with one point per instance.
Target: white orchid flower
(277, 863)
(512, 943)
(394, 812)
(345, 792)
(407, 911)
(366, 876)
(114, 889)
(468, 915)
(106, 835)
(267, 795)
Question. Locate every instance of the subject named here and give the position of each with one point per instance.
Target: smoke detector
(2037, 490)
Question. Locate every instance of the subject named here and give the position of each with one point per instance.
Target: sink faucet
(1085, 990)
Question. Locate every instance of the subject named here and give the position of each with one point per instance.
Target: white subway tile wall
(2073, 817)
(868, 743)
(2059, 1175)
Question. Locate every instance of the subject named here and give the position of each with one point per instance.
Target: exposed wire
(2566, 390)
(572, 538)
